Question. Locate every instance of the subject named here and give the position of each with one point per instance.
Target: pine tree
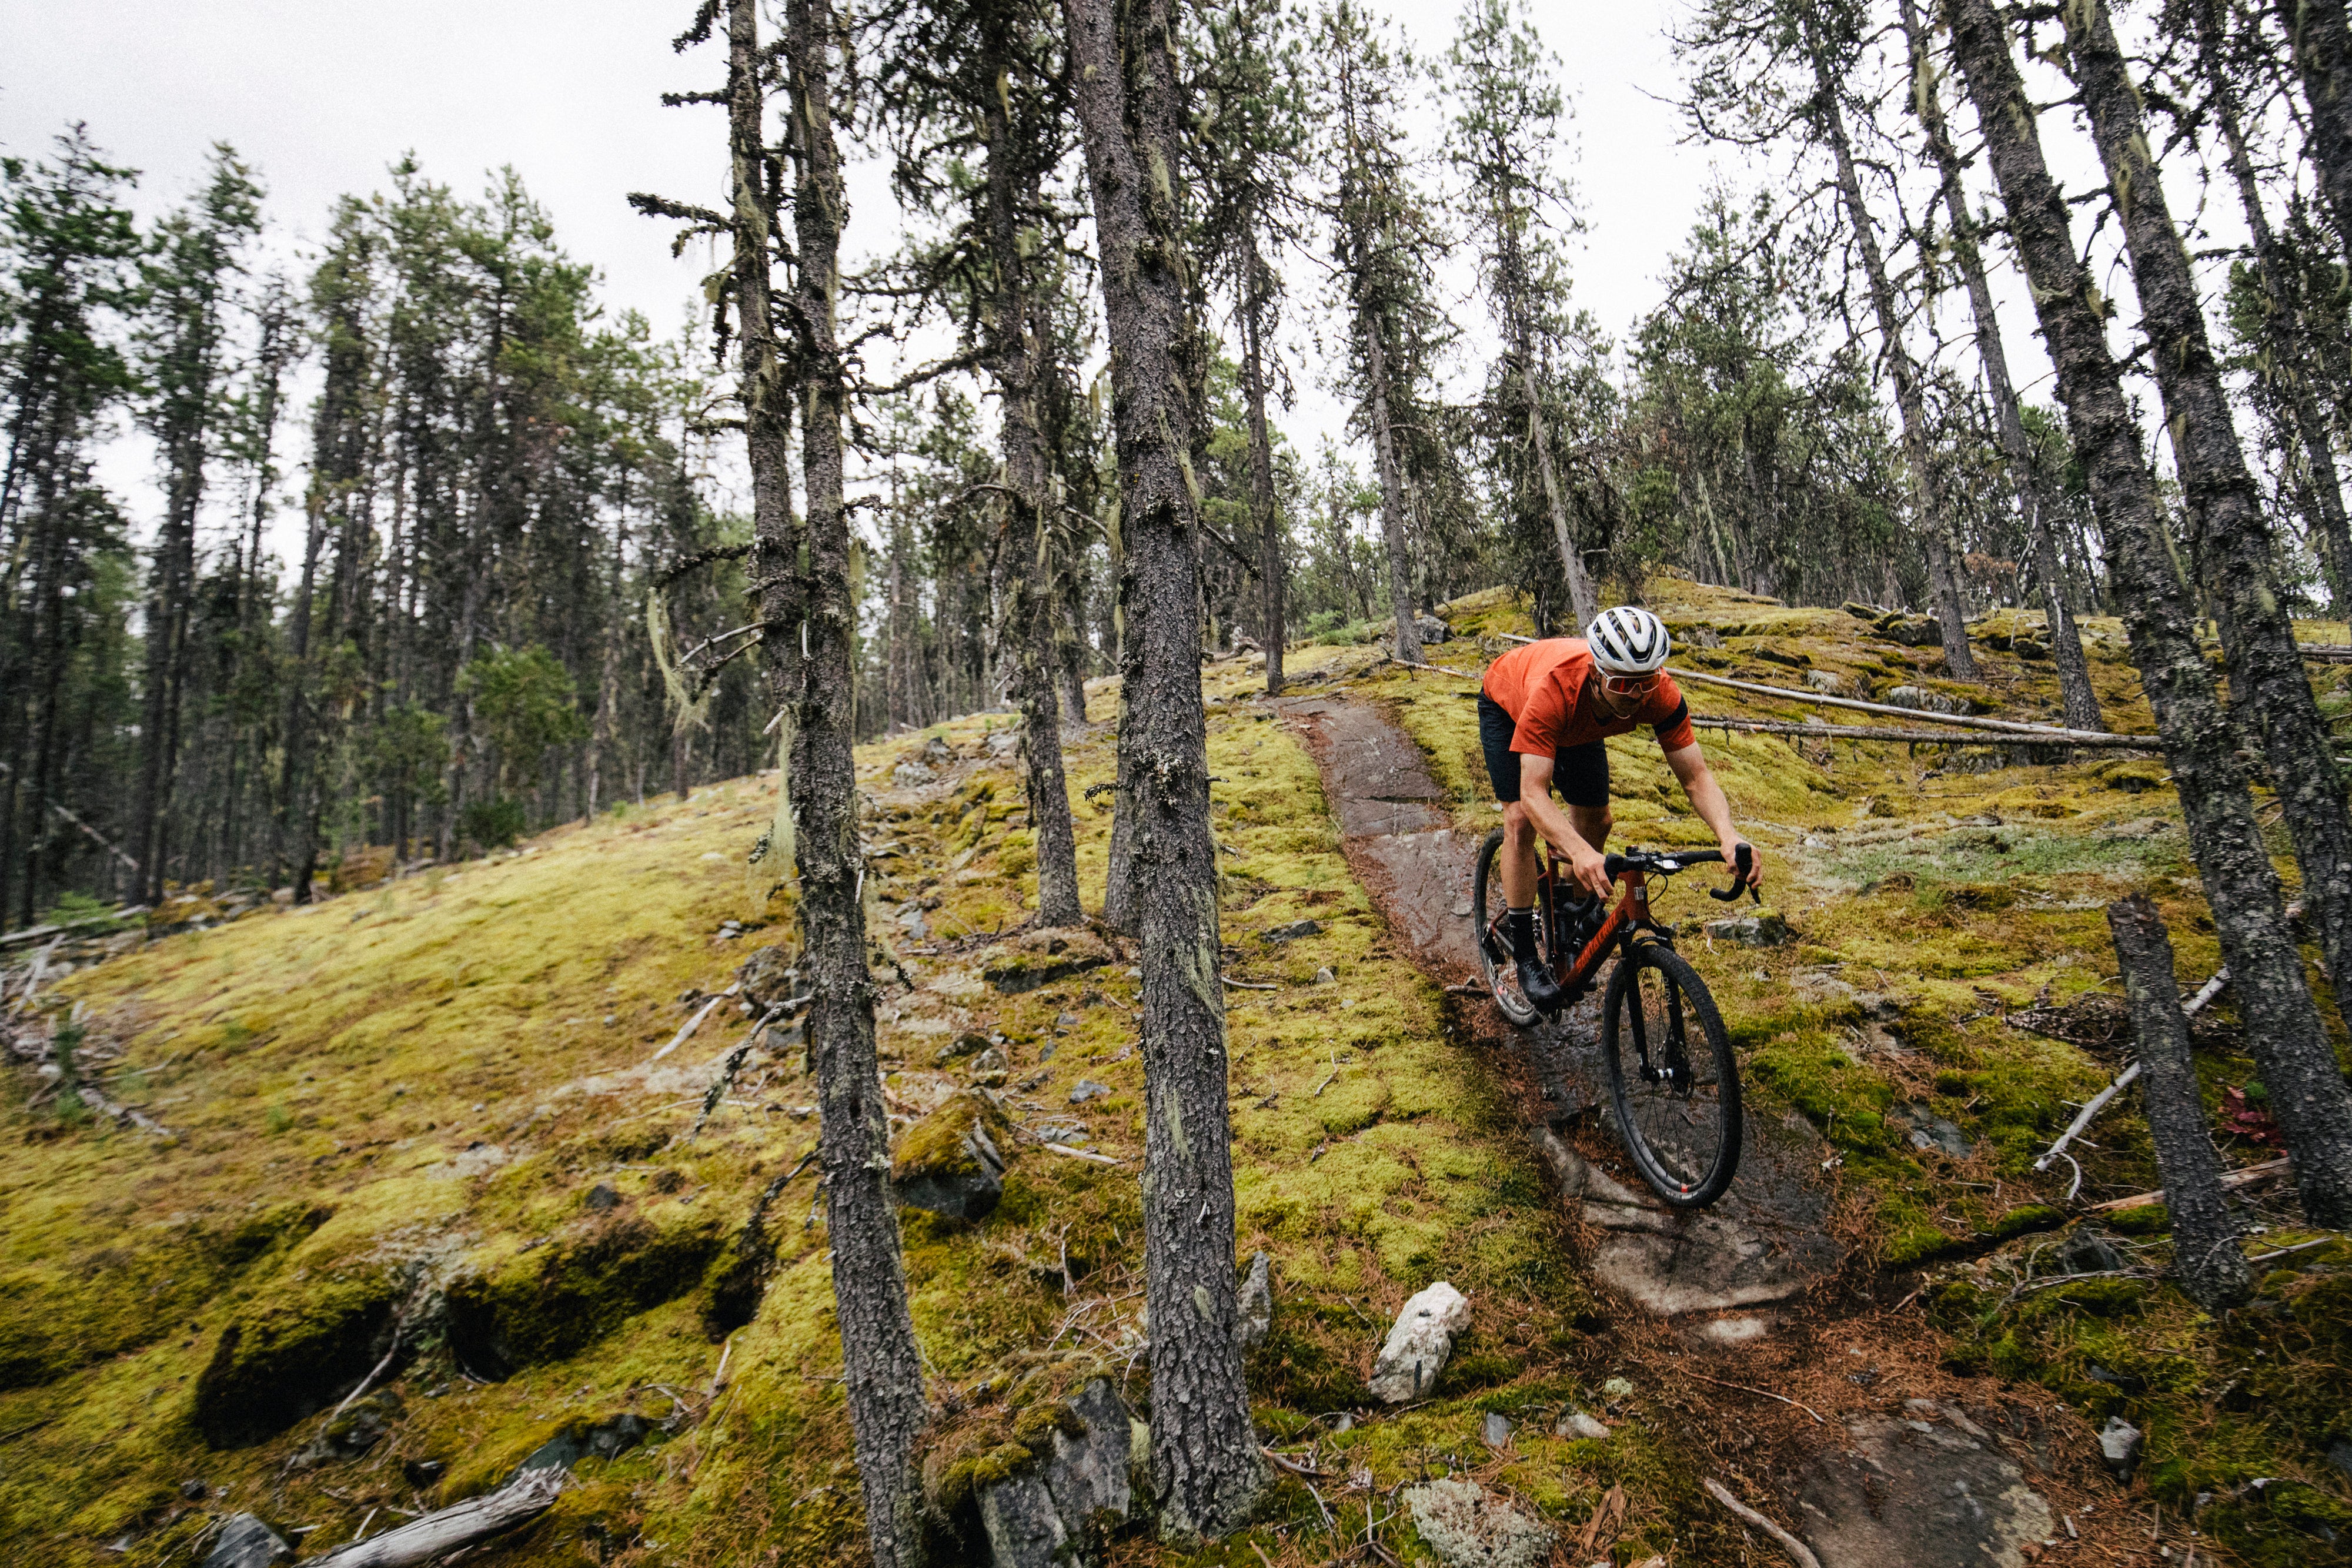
(2298, 1065)
(1205, 1460)
(1501, 142)
(67, 242)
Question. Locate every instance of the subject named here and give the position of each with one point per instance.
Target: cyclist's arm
(1535, 793)
(1707, 797)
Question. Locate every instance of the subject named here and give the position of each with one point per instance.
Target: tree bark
(1272, 560)
(2282, 1025)
(1584, 604)
(1935, 533)
(1015, 335)
(2302, 428)
(882, 1368)
(2076, 697)
(1204, 1454)
(1392, 525)
(2321, 40)
(2205, 1252)
(2233, 536)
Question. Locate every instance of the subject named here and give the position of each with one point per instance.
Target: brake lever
(1742, 858)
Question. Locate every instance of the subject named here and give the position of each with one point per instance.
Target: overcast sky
(320, 99)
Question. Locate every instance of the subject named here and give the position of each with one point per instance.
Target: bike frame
(1628, 916)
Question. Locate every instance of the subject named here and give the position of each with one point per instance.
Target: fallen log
(437, 1534)
(2244, 1177)
(1892, 735)
(2049, 735)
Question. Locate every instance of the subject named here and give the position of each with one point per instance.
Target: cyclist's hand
(1590, 867)
(1731, 849)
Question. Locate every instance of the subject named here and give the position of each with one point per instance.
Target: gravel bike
(1673, 1083)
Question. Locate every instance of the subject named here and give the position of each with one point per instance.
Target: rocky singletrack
(1760, 1290)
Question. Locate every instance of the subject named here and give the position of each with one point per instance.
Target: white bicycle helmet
(1628, 641)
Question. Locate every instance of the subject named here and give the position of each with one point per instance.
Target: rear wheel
(1487, 909)
(1672, 1076)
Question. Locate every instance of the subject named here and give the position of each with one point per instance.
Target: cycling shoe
(1536, 983)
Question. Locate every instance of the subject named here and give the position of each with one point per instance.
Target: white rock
(1576, 1423)
(1420, 1345)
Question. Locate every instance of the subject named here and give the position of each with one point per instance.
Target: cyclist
(1544, 711)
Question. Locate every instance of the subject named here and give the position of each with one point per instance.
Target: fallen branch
(1080, 1153)
(1296, 1468)
(1248, 985)
(1436, 669)
(444, 1530)
(2124, 1079)
(692, 1024)
(2244, 1177)
(1743, 1388)
(1797, 1550)
(399, 1321)
(2049, 735)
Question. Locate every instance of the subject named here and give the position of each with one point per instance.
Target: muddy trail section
(1760, 1330)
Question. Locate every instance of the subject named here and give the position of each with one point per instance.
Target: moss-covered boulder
(307, 1341)
(951, 1162)
(519, 1307)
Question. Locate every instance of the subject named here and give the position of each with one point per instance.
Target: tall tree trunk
(293, 847)
(2303, 429)
(1935, 528)
(2205, 1252)
(2283, 1028)
(1204, 1454)
(1392, 524)
(2321, 40)
(1584, 603)
(1273, 610)
(2233, 536)
(2078, 699)
(1018, 333)
(882, 1369)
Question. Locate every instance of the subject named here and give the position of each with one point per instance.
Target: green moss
(544, 1303)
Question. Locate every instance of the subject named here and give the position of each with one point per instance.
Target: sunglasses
(1629, 685)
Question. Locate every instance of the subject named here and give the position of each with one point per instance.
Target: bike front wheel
(1673, 1080)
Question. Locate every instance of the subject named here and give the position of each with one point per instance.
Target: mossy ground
(426, 1080)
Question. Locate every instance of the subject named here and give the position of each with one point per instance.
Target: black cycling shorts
(1580, 773)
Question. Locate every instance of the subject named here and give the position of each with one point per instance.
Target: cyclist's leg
(1516, 864)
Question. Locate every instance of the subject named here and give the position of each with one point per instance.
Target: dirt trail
(1752, 1284)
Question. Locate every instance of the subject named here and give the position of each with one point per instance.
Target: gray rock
(1420, 1343)
(351, 1434)
(1003, 742)
(246, 1542)
(1255, 1319)
(194, 1489)
(1762, 928)
(1921, 1495)
(2339, 1454)
(2120, 1444)
(963, 1045)
(1431, 630)
(1294, 931)
(1828, 681)
(1087, 1088)
(910, 776)
(2088, 1252)
(1323, 976)
(1576, 1423)
(937, 752)
(1465, 1528)
(1054, 1514)
(577, 1440)
(424, 1474)
(1496, 1429)
(600, 1198)
(1942, 1134)
(1922, 699)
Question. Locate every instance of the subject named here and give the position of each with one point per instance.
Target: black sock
(1522, 924)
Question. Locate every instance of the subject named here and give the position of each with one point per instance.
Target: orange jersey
(1543, 687)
